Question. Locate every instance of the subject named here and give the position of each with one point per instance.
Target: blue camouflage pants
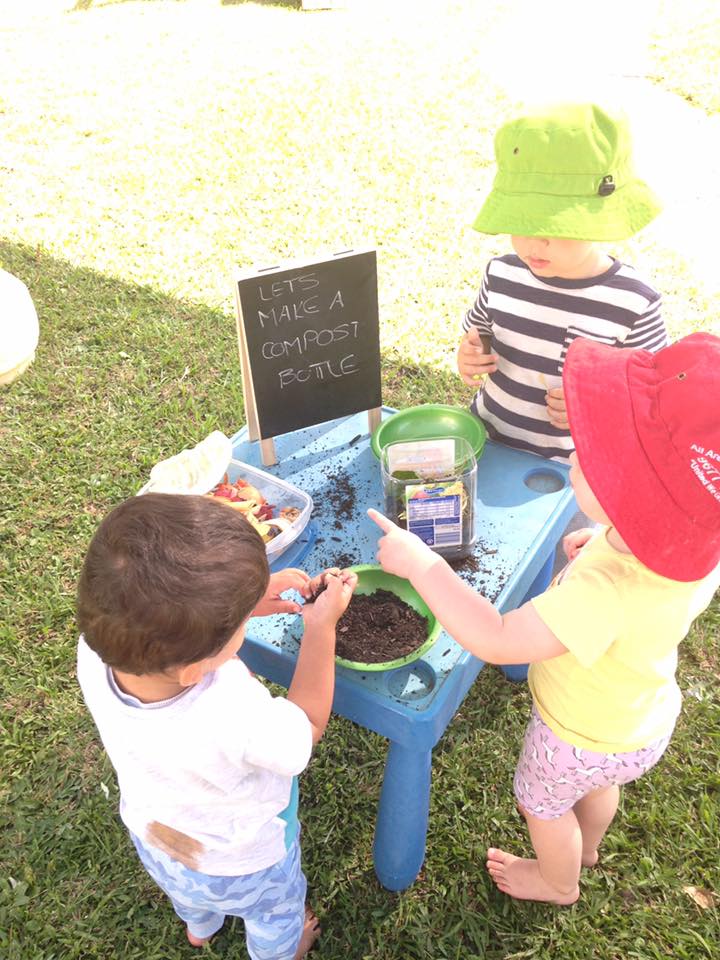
(271, 902)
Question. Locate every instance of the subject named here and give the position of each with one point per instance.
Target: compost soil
(342, 497)
(481, 571)
(379, 626)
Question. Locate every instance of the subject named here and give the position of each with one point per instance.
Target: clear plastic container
(277, 492)
(430, 488)
(280, 494)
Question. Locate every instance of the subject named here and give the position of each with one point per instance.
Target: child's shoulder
(231, 676)
(626, 277)
(508, 260)
(507, 265)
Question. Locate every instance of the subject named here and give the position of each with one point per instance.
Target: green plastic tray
(372, 577)
(429, 421)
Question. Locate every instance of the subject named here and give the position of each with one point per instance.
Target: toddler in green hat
(564, 186)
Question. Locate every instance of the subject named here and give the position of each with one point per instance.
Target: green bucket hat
(567, 172)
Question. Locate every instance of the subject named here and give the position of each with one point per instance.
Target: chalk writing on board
(312, 340)
(309, 340)
(319, 371)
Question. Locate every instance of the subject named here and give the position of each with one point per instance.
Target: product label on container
(434, 512)
(426, 458)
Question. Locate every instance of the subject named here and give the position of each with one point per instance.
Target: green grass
(148, 149)
(685, 53)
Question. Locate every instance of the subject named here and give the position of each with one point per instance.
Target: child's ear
(191, 673)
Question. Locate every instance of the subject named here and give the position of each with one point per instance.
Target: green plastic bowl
(427, 422)
(371, 578)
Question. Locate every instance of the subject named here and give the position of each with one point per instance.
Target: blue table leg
(519, 671)
(402, 820)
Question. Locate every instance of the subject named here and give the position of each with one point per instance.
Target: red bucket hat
(646, 428)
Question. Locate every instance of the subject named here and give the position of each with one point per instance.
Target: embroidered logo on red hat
(705, 464)
(677, 421)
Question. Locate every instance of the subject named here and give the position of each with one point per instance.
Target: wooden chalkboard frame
(365, 260)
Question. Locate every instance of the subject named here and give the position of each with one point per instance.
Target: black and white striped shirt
(531, 323)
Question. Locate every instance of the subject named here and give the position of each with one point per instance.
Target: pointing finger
(385, 525)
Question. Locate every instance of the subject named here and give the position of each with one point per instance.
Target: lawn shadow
(118, 357)
(407, 383)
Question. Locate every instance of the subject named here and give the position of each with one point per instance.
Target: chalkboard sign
(309, 342)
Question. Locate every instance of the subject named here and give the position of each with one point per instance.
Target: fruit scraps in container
(243, 496)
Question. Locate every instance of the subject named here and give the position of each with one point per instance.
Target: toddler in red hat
(602, 640)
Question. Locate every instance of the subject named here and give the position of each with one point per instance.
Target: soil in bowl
(379, 627)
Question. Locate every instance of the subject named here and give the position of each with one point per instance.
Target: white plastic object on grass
(19, 327)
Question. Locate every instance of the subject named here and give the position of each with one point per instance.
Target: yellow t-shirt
(615, 689)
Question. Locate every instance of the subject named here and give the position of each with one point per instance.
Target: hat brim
(610, 452)
(618, 216)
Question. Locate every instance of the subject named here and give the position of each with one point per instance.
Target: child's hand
(328, 606)
(575, 541)
(555, 399)
(313, 682)
(272, 602)
(473, 361)
(401, 552)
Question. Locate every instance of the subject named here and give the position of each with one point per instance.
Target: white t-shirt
(205, 775)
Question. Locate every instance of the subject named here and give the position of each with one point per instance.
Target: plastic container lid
(429, 421)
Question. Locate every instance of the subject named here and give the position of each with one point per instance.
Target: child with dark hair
(207, 760)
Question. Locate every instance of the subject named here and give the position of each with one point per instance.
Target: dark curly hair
(167, 580)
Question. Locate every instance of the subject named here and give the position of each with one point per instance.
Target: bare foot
(311, 931)
(197, 941)
(521, 878)
(589, 859)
